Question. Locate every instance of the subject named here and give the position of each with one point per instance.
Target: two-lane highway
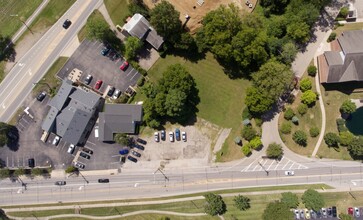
(34, 64)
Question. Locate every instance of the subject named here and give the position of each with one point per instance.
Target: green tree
(290, 199)
(3, 215)
(274, 6)
(71, 169)
(356, 147)
(274, 151)
(343, 216)
(37, 171)
(97, 27)
(132, 46)
(4, 130)
(289, 113)
(257, 101)
(345, 138)
(248, 132)
(256, 143)
(277, 210)
(300, 137)
(289, 52)
(302, 109)
(331, 139)
(246, 149)
(214, 204)
(241, 202)
(348, 107)
(165, 19)
(138, 6)
(313, 200)
(286, 127)
(308, 97)
(4, 173)
(314, 131)
(7, 50)
(298, 31)
(19, 172)
(312, 71)
(344, 12)
(122, 139)
(305, 84)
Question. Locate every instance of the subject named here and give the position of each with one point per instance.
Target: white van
(96, 131)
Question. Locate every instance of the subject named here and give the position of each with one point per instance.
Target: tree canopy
(348, 107)
(214, 204)
(277, 210)
(313, 200)
(242, 202)
(356, 147)
(97, 27)
(274, 151)
(290, 199)
(331, 139)
(132, 46)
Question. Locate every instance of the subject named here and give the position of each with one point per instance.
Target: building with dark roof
(345, 62)
(139, 27)
(118, 118)
(72, 113)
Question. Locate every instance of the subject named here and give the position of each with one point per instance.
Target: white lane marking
(270, 165)
(286, 164)
(255, 167)
(133, 76)
(9, 83)
(91, 143)
(293, 163)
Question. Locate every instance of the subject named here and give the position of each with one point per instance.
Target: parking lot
(88, 59)
(328, 213)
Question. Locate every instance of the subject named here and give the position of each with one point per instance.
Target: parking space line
(286, 164)
(270, 165)
(292, 165)
(129, 72)
(264, 163)
(134, 76)
(91, 143)
(255, 167)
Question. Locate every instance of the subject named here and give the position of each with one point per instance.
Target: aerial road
(33, 65)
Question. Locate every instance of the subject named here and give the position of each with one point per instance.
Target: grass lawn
(306, 121)
(24, 9)
(153, 217)
(221, 98)
(348, 27)
(118, 10)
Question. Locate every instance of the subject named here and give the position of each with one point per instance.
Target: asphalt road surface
(34, 64)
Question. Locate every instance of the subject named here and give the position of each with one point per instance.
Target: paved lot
(270, 165)
(89, 60)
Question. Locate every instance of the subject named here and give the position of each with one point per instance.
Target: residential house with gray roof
(72, 113)
(344, 63)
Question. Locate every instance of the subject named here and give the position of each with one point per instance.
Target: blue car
(124, 151)
(177, 134)
(105, 51)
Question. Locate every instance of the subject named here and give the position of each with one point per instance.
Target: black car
(135, 153)
(334, 210)
(84, 155)
(41, 96)
(138, 146)
(60, 183)
(66, 24)
(141, 141)
(88, 79)
(133, 159)
(103, 180)
(31, 163)
(163, 136)
(87, 150)
(111, 91)
(177, 134)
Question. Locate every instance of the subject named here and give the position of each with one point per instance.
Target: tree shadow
(8, 52)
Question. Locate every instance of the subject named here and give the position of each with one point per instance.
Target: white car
(184, 136)
(289, 173)
(356, 212)
(116, 94)
(171, 136)
(71, 149)
(56, 140)
(156, 136)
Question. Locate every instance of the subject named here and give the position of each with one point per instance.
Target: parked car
(334, 210)
(163, 136)
(79, 165)
(289, 173)
(105, 51)
(56, 140)
(103, 180)
(156, 136)
(177, 134)
(138, 146)
(66, 24)
(71, 148)
(141, 141)
(116, 94)
(350, 211)
(88, 79)
(171, 136)
(87, 150)
(111, 91)
(60, 183)
(324, 213)
(98, 84)
(124, 66)
(124, 151)
(297, 214)
(135, 153)
(329, 212)
(356, 212)
(31, 162)
(313, 214)
(184, 136)
(302, 214)
(84, 155)
(307, 214)
(133, 159)
(41, 96)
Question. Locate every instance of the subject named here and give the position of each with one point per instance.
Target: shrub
(274, 151)
(71, 169)
(286, 127)
(331, 139)
(308, 97)
(300, 137)
(341, 125)
(141, 81)
(302, 109)
(246, 114)
(348, 107)
(305, 84)
(256, 143)
(246, 149)
(344, 12)
(295, 120)
(241, 202)
(312, 71)
(19, 172)
(314, 132)
(345, 138)
(4, 173)
(289, 113)
(248, 132)
(332, 37)
(214, 204)
(258, 122)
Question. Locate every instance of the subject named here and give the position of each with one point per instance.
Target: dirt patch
(196, 12)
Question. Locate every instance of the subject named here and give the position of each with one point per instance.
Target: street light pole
(23, 23)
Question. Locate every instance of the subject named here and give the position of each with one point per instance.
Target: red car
(124, 66)
(350, 211)
(98, 84)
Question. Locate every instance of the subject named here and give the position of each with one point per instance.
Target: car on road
(105, 51)
(156, 136)
(184, 136)
(177, 134)
(334, 211)
(171, 136)
(60, 183)
(135, 153)
(31, 162)
(141, 141)
(350, 211)
(67, 23)
(124, 66)
(98, 84)
(56, 140)
(307, 214)
(289, 173)
(84, 155)
(133, 159)
(111, 91)
(163, 135)
(123, 151)
(71, 148)
(79, 165)
(103, 180)
(87, 150)
(138, 146)
(88, 79)
(116, 94)
(356, 212)
(41, 96)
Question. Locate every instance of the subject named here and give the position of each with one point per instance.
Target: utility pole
(16, 15)
(267, 172)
